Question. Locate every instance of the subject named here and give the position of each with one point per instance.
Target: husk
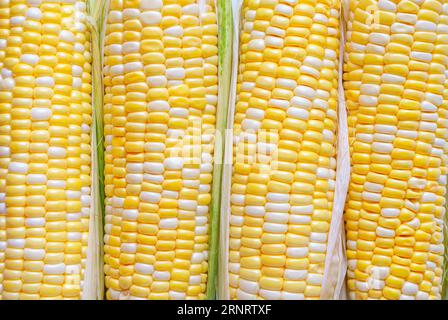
(333, 284)
(445, 255)
(93, 278)
(223, 290)
(224, 63)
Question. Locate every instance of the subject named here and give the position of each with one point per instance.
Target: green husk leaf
(224, 75)
(97, 11)
(234, 16)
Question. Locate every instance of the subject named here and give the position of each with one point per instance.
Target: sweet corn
(395, 84)
(161, 87)
(45, 118)
(284, 149)
(5, 110)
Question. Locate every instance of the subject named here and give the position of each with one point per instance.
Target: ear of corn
(46, 91)
(396, 89)
(5, 110)
(161, 87)
(284, 149)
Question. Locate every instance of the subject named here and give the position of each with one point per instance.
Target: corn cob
(5, 110)
(396, 89)
(161, 86)
(284, 148)
(45, 120)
